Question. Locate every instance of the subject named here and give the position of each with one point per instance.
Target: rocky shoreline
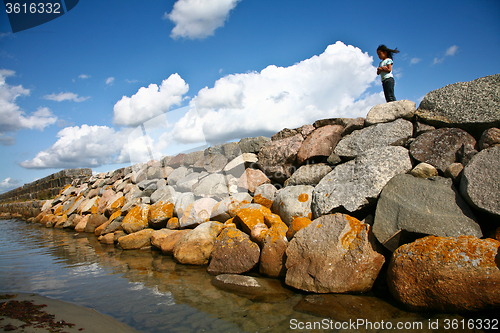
(409, 195)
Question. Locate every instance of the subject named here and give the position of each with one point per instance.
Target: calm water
(143, 289)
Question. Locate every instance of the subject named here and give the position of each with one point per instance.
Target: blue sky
(75, 91)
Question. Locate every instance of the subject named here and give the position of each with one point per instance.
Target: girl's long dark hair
(387, 50)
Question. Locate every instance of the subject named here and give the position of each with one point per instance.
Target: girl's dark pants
(388, 85)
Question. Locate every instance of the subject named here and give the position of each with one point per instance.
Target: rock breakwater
(325, 205)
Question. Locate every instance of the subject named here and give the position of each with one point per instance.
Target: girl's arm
(387, 69)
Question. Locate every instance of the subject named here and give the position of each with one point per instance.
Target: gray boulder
(213, 185)
(357, 183)
(186, 184)
(439, 147)
(320, 143)
(166, 193)
(333, 254)
(470, 105)
(253, 145)
(292, 202)
(410, 207)
(214, 162)
(182, 203)
(386, 112)
(480, 182)
(193, 157)
(309, 174)
(278, 157)
(395, 133)
(177, 175)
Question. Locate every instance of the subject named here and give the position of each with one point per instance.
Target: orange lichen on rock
(249, 217)
(118, 203)
(136, 219)
(115, 215)
(259, 199)
(297, 224)
(303, 197)
(274, 219)
(353, 237)
(98, 231)
(234, 206)
(162, 210)
(58, 211)
(462, 250)
(173, 223)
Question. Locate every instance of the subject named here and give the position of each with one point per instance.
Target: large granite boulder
(333, 254)
(387, 112)
(160, 213)
(278, 157)
(293, 201)
(320, 143)
(480, 182)
(439, 147)
(167, 243)
(410, 207)
(233, 253)
(357, 183)
(94, 221)
(136, 240)
(136, 219)
(395, 133)
(195, 247)
(472, 105)
(446, 274)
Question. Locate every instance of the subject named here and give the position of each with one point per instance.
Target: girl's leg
(388, 85)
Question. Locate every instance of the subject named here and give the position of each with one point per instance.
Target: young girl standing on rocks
(385, 71)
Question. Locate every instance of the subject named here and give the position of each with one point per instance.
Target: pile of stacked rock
(326, 205)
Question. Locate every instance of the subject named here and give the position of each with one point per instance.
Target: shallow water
(143, 289)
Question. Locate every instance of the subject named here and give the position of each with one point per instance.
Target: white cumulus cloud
(12, 118)
(66, 96)
(9, 184)
(332, 84)
(85, 146)
(150, 102)
(199, 18)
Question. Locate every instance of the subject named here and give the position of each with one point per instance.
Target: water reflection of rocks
(190, 302)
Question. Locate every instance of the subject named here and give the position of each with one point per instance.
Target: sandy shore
(84, 319)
